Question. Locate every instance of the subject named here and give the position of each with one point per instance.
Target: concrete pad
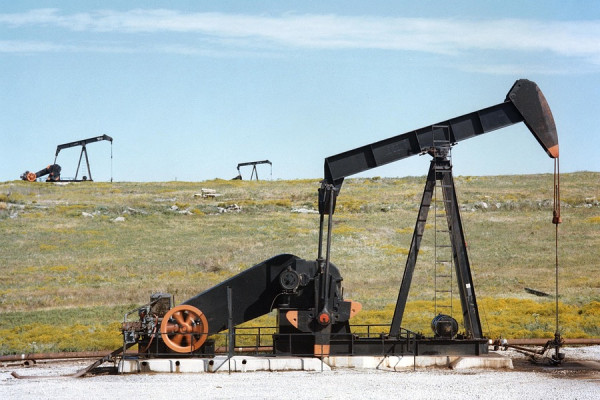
(128, 366)
(250, 364)
(162, 365)
(487, 361)
(155, 366)
(297, 364)
(360, 362)
(398, 363)
(221, 364)
(314, 364)
(189, 365)
(285, 364)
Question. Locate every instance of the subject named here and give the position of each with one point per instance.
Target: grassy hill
(74, 258)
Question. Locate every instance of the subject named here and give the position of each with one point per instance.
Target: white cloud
(22, 46)
(579, 39)
(514, 69)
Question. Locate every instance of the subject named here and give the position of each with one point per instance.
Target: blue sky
(188, 89)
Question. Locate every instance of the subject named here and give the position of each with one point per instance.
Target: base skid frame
(406, 347)
(349, 345)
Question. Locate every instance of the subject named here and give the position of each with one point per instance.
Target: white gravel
(541, 382)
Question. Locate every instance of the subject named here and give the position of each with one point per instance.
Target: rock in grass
(304, 210)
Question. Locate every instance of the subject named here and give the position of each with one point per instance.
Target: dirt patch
(569, 369)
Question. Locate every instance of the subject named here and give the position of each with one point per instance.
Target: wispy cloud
(502, 68)
(24, 46)
(570, 39)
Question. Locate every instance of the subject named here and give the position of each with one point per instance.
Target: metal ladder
(443, 257)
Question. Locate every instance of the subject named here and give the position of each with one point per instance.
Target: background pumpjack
(53, 171)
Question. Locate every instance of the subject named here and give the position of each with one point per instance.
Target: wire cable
(556, 220)
(111, 161)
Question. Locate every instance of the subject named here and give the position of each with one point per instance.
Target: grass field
(69, 271)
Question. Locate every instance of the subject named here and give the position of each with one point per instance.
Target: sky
(189, 89)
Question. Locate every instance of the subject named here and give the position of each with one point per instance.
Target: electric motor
(444, 326)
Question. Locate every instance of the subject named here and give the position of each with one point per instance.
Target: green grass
(60, 270)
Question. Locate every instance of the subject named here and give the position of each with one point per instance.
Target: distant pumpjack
(53, 171)
(254, 171)
(83, 143)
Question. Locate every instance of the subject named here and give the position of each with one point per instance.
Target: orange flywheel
(31, 177)
(184, 329)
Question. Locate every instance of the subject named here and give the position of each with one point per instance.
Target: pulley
(184, 329)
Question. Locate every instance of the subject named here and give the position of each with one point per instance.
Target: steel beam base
(349, 345)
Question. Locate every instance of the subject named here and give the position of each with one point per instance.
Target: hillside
(76, 257)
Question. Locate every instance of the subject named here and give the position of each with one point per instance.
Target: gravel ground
(577, 378)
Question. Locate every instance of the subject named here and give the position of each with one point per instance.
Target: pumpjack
(313, 317)
(254, 172)
(53, 171)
